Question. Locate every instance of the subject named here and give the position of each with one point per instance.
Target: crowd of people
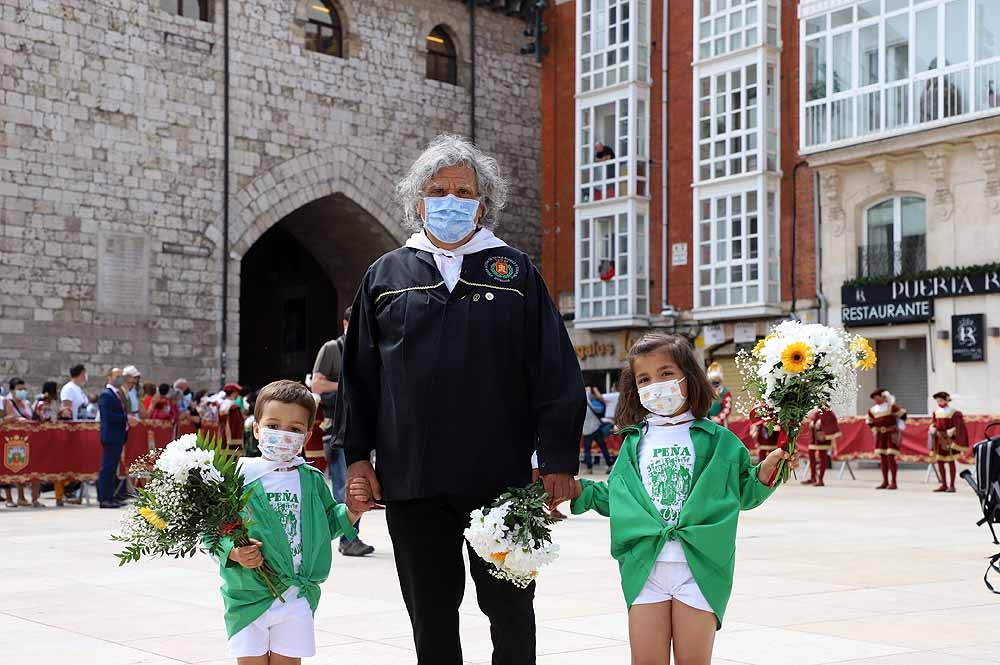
(174, 402)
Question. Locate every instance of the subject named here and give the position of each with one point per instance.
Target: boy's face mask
(279, 445)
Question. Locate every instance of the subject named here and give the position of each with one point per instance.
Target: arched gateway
(302, 236)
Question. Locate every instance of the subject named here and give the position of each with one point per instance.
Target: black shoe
(111, 504)
(355, 547)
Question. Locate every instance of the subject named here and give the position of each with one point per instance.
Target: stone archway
(339, 210)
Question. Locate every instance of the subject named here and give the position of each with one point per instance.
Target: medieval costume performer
(825, 431)
(950, 439)
(723, 404)
(885, 419)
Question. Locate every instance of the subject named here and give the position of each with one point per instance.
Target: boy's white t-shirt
(666, 465)
(284, 492)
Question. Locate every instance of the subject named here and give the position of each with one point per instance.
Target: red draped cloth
(856, 440)
(71, 450)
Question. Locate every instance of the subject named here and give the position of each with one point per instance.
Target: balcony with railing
(874, 70)
(884, 260)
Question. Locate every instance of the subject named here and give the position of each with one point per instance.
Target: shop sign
(880, 314)
(603, 350)
(745, 332)
(713, 335)
(903, 290)
(967, 333)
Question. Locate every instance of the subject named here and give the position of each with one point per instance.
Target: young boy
(294, 518)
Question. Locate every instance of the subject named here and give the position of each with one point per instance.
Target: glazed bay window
(612, 265)
(880, 67)
(613, 149)
(737, 131)
(613, 43)
(725, 26)
(737, 249)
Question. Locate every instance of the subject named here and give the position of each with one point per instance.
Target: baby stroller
(986, 484)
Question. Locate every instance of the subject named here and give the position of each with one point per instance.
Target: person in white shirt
(72, 396)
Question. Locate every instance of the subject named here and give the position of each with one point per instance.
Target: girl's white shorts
(670, 580)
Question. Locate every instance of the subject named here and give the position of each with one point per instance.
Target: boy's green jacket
(724, 483)
(246, 597)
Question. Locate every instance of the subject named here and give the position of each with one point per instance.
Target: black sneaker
(111, 504)
(355, 547)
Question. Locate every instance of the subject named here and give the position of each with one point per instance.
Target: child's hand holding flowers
(770, 464)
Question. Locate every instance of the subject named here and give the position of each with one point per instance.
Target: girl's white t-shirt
(666, 465)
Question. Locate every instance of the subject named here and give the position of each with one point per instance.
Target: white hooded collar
(253, 468)
(449, 261)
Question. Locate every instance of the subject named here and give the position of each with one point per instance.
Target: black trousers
(427, 543)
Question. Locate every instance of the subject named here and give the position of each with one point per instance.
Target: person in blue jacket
(114, 432)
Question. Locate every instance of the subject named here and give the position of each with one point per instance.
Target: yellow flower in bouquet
(797, 357)
(864, 352)
(153, 518)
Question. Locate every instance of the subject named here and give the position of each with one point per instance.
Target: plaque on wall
(967, 332)
(122, 273)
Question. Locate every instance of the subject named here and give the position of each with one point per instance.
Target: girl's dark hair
(50, 388)
(700, 393)
(163, 389)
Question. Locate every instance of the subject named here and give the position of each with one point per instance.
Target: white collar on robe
(253, 468)
(449, 261)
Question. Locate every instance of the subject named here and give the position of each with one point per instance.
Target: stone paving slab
(841, 574)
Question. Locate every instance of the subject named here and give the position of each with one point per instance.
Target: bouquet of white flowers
(799, 367)
(513, 535)
(194, 499)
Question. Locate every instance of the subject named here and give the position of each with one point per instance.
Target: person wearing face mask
(17, 407)
(456, 355)
(292, 519)
(674, 498)
(114, 422)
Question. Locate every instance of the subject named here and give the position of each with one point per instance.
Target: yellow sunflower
(864, 353)
(797, 357)
(153, 518)
(757, 350)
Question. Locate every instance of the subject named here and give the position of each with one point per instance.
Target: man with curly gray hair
(456, 367)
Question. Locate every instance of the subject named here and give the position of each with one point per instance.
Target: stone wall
(111, 116)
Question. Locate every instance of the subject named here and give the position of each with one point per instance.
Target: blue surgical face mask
(21, 394)
(450, 218)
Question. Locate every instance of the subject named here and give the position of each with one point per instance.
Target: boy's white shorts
(672, 581)
(285, 628)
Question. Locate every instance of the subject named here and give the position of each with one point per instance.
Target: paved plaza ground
(823, 575)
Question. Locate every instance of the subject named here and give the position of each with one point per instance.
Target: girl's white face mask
(280, 446)
(663, 398)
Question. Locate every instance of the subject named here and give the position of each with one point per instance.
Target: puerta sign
(910, 300)
(967, 331)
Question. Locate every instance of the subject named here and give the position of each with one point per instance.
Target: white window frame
(892, 108)
(631, 168)
(897, 225)
(635, 278)
(768, 281)
(631, 56)
(765, 32)
(762, 59)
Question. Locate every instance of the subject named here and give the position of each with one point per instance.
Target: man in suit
(114, 431)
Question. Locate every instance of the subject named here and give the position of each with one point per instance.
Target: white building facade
(899, 117)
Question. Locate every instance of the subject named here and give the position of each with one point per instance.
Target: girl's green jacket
(725, 482)
(245, 596)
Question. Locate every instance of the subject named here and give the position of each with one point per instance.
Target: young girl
(674, 496)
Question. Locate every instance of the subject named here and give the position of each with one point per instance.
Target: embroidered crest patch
(15, 453)
(501, 268)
